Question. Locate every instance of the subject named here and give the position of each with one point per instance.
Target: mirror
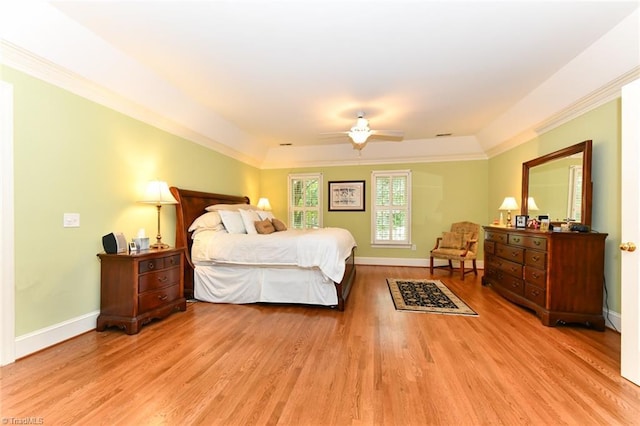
(560, 185)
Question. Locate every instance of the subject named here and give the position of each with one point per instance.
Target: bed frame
(192, 204)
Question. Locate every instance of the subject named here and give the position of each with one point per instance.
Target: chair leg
(431, 265)
(462, 269)
(475, 270)
(450, 267)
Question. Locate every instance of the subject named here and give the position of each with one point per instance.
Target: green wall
(72, 155)
(602, 125)
(443, 193)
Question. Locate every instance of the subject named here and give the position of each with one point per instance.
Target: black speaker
(114, 243)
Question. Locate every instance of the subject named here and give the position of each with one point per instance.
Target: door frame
(7, 246)
(630, 232)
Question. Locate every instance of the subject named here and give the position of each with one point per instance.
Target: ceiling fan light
(362, 124)
(359, 136)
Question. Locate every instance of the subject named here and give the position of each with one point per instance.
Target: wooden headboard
(191, 204)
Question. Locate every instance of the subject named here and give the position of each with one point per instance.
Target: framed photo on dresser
(521, 221)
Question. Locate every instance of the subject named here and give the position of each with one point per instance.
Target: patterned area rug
(426, 296)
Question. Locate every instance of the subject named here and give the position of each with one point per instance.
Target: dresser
(558, 275)
(140, 286)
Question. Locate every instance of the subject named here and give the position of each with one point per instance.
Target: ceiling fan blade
(333, 134)
(391, 135)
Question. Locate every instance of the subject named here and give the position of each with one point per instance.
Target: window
(305, 201)
(391, 207)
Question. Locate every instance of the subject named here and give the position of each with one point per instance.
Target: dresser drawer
(537, 259)
(511, 283)
(489, 247)
(535, 276)
(538, 243)
(514, 254)
(535, 294)
(158, 279)
(154, 299)
(495, 236)
(511, 268)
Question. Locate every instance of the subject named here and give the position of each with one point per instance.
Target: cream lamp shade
(509, 204)
(157, 193)
(263, 204)
(531, 204)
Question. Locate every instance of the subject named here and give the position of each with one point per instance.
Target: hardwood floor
(293, 365)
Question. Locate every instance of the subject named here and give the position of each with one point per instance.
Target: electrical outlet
(413, 247)
(71, 220)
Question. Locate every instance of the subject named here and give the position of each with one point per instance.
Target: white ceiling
(274, 72)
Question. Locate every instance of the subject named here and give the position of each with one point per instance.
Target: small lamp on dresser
(158, 193)
(509, 204)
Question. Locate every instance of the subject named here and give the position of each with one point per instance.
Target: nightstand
(140, 286)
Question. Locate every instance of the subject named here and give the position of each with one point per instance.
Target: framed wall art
(347, 196)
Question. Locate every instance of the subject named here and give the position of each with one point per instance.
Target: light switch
(71, 220)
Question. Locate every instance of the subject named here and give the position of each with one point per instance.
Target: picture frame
(521, 221)
(347, 196)
(544, 224)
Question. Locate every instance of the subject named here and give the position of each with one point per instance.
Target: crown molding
(22, 60)
(593, 100)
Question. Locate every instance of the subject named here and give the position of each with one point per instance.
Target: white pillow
(265, 215)
(207, 220)
(236, 207)
(249, 218)
(233, 222)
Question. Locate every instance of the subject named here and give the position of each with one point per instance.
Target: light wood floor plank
(295, 365)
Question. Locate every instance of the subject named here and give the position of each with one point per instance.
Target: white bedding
(325, 248)
(220, 283)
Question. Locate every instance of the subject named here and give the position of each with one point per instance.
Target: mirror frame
(587, 185)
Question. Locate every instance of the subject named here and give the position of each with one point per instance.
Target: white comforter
(325, 248)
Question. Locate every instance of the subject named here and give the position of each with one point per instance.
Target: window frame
(291, 209)
(407, 243)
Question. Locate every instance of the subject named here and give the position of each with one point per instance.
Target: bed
(248, 282)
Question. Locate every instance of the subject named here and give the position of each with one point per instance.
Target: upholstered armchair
(460, 244)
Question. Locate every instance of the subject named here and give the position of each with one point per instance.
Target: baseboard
(612, 320)
(400, 261)
(38, 340)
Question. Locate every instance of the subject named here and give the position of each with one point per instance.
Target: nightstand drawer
(151, 265)
(158, 279)
(172, 261)
(154, 299)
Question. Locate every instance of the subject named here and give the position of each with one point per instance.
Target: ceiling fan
(361, 132)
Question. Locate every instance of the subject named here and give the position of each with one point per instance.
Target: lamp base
(159, 246)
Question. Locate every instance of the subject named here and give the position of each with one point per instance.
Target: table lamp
(158, 193)
(509, 204)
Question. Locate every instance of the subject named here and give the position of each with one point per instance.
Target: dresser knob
(163, 297)
(163, 278)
